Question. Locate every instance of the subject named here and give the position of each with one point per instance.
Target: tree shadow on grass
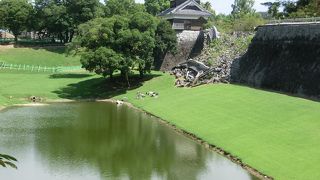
(101, 88)
(54, 49)
(69, 75)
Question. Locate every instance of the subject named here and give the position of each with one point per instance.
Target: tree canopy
(121, 42)
(242, 7)
(154, 7)
(15, 15)
(294, 9)
(60, 18)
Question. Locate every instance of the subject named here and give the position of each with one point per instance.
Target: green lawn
(274, 133)
(43, 57)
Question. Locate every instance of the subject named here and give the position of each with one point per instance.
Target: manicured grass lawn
(49, 57)
(274, 133)
(17, 87)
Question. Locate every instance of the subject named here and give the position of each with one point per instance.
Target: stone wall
(186, 42)
(283, 57)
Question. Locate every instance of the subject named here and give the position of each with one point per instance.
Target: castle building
(186, 15)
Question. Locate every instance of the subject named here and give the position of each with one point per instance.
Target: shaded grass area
(17, 87)
(50, 57)
(20, 86)
(274, 133)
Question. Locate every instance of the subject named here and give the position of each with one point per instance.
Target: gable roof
(181, 10)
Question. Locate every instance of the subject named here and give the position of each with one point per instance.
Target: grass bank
(51, 56)
(274, 133)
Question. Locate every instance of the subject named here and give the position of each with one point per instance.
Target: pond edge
(200, 141)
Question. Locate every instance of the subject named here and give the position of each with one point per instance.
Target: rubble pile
(189, 74)
(206, 68)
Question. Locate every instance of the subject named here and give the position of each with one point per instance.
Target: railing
(30, 42)
(295, 20)
(36, 68)
(178, 26)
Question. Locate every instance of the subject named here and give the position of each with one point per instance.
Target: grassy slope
(50, 57)
(277, 134)
(20, 86)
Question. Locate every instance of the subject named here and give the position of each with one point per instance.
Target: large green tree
(118, 43)
(60, 18)
(154, 7)
(52, 19)
(123, 42)
(81, 11)
(15, 15)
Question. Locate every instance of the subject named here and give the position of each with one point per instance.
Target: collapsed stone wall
(186, 42)
(283, 57)
(190, 45)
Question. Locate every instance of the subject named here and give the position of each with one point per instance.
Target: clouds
(224, 6)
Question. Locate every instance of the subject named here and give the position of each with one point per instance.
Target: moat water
(93, 141)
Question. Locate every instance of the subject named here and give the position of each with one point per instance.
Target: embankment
(283, 57)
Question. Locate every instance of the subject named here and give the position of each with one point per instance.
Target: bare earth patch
(10, 46)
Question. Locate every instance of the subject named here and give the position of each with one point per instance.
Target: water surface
(93, 141)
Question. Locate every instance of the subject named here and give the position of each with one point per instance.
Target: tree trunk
(111, 76)
(141, 74)
(66, 38)
(71, 36)
(15, 39)
(60, 37)
(127, 79)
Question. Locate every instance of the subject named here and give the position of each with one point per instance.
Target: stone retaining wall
(186, 42)
(283, 57)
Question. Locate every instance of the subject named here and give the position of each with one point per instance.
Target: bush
(247, 22)
(228, 24)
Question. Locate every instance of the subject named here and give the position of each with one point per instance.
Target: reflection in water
(102, 141)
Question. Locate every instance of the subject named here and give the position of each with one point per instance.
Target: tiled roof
(179, 10)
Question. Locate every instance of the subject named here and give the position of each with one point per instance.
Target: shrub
(247, 22)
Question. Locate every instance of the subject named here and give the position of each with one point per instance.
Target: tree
(122, 7)
(302, 8)
(122, 42)
(242, 7)
(6, 160)
(103, 61)
(166, 41)
(60, 18)
(207, 6)
(273, 8)
(15, 15)
(81, 11)
(154, 7)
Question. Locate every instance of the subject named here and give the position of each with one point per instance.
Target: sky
(224, 6)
